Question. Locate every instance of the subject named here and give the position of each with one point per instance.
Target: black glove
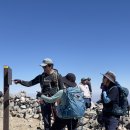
(38, 94)
(17, 81)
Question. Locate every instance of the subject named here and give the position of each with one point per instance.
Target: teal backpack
(72, 104)
(122, 108)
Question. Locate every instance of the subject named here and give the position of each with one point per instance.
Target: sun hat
(83, 79)
(46, 61)
(69, 79)
(111, 76)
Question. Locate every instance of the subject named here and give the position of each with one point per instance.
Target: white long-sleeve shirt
(85, 90)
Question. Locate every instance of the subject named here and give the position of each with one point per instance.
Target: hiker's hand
(103, 87)
(40, 101)
(17, 81)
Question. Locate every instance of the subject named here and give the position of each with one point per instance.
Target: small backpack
(122, 109)
(72, 104)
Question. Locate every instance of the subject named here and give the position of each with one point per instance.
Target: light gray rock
(27, 116)
(36, 116)
(22, 99)
(15, 108)
(23, 107)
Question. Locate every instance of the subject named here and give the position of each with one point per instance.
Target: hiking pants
(46, 114)
(61, 123)
(111, 122)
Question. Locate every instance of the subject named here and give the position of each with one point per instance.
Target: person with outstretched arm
(50, 82)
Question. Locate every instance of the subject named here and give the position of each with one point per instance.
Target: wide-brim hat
(46, 61)
(69, 79)
(110, 76)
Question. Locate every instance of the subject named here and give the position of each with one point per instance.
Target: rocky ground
(25, 115)
(21, 124)
(17, 123)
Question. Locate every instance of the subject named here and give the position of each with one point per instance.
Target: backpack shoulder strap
(112, 88)
(59, 79)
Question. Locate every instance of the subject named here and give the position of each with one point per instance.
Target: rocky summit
(25, 113)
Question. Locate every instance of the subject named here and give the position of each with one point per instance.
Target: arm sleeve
(90, 87)
(53, 98)
(35, 81)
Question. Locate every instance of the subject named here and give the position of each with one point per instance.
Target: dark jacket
(50, 84)
(113, 94)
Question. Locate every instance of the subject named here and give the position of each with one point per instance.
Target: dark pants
(87, 102)
(46, 109)
(61, 123)
(111, 122)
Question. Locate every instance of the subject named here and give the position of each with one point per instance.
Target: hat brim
(42, 64)
(69, 83)
(108, 78)
(83, 79)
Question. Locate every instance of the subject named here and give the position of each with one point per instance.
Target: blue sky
(85, 37)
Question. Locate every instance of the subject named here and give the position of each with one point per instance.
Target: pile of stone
(23, 106)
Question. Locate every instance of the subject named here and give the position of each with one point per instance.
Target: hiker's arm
(35, 81)
(90, 87)
(53, 98)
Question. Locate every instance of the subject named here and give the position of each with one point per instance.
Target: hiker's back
(121, 108)
(72, 104)
(123, 100)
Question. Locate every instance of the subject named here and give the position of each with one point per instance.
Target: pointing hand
(17, 81)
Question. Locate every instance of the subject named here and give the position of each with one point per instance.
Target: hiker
(59, 122)
(88, 82)
(110, 97)
(50, 82)
(85, 89)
